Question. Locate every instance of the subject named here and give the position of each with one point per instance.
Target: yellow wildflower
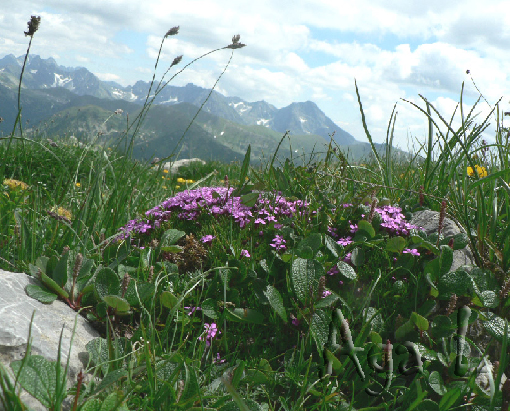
(164, 187)
(189, 181)
(14, 184)
(177, 187)
(482, 171)
(62, 212)
(78, 185)
(181, 180)
(165, 171)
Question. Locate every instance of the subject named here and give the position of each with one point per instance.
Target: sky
(296, 50)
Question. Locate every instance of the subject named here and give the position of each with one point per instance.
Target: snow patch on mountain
(263, 122)
(171, 100)
(303, 120)
(61, 81)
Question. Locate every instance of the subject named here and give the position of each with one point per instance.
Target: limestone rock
(429, 221)
(174, 166)
(16, 309)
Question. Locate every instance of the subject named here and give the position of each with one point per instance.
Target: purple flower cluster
(394, 221)
(215, 201)
(211, 330)
(278, 243)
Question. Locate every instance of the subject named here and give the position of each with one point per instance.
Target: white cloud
(107, 76)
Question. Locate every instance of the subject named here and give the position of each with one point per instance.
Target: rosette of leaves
(68, 278)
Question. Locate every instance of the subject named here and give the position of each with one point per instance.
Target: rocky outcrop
(16, 309)
(429, 221)
(174, 166)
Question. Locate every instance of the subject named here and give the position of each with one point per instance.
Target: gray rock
(174, 166)
(16, 309)
(429, 221)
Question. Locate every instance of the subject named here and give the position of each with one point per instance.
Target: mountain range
(64, 101)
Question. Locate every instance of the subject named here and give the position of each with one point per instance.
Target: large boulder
(16, 309)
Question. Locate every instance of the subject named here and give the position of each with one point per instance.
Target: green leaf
(210, 309)
(332, 246)
(39, 377)
(191, 386)
(432, 268)
(246, 315)
(117, 303)
(305, 276)
(238, 374)
(489, 299)
(445, 259)
(460, 241)
(419, 321)
(52, 285)
(396, 244)
(442, 326)
(98, 351)
(40, 294)
(276, 301)
(93, 404)
(449, 399)
(319, 327)
(171, 236)
(111, 378)
(457, 282)
(305, 252)
(375, 337)
(366, 227)
(427, 405)
(335, 362)
(168, 299)
(110, 402)
(256, 377)
(495, 326)
(314, 241)
(61, 274)
(346, 270)
(139, 292)
(327, 301)
(403, 330)
(172, 249)
(107, 282)
(436, 383)
(358, 256)
(250, 199)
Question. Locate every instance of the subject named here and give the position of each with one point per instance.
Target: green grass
(297, 327)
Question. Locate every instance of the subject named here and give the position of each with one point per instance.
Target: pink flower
(211, 330)
(245, 253)
(412, 251)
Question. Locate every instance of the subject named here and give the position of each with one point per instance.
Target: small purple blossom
(245, 253)
(345, 241)
(192, 309)
(207, 239)
(325, 293)
(295, 322)
(211, 330)
(218, 359)
(334, 270)
(278, 243)
(412, 251)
